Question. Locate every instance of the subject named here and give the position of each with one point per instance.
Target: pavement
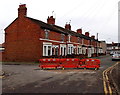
(31, 79)
(110, 83)
(114, 77)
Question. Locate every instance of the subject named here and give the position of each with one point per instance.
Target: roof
(45, 25)
(115, 44)
(11, 23)
(59, 29)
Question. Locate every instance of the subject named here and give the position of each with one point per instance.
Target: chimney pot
(87, 34)
(93, 36)
(50, 20)
(22, 6)
(68, 26)
(79, 31)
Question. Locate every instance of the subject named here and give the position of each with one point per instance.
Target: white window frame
(47, 33)
(70, 49)
(69, 38)
(93, 50)
(79, 50)
(74, 50)
(63, 46)
(47, 45)
(54, 47)
(82, 41)
(84, 50)
(89, 52)
(62, 37)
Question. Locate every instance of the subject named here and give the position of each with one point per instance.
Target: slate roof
(59, 29)
(115, 44)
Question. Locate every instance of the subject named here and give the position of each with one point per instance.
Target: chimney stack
(79, 31)
(93, 36)
(68, 26)
(51, 20)
(87, 34)
(22, 11)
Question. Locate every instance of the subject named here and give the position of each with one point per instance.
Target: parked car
(111, 53)
(116, 56)
(114, 52)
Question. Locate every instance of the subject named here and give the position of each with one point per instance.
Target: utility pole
(97, 36)
(97, 46)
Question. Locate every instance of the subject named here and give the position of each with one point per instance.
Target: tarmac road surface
(31, 79)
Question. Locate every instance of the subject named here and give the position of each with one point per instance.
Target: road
(31, 79)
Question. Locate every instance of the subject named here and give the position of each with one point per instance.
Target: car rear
(116, 57)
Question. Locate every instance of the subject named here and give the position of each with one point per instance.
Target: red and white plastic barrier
(49, 63)
(69, 63)
(91, 63)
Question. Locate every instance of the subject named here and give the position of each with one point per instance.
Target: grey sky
(95, 16)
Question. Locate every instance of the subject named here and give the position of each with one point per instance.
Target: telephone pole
(97, 46)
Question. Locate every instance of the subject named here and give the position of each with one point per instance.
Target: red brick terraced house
(28, 39)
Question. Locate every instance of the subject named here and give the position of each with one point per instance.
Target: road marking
(106, 84)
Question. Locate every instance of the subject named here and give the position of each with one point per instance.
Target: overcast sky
(94, 16)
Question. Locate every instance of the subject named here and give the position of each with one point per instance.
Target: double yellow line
(106, 82)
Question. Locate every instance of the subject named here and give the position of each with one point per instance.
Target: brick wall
(22, 41)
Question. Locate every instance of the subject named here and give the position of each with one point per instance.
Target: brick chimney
(93, 36)
(87, 34)
(22, 11)
(68, 26)
(51, 20)
(79, 31)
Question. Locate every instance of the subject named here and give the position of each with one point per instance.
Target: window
(75, 52)
(45, 53)
(95, 50)
(116, 47)
(92, 50)
(79, 50)
(82, 41)
(55, 50)
(78, 39)
(84, 50)
(46, 34)
(69, 38)
(62, 37)
(62, 49)
(70, 49)
(47, 50)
